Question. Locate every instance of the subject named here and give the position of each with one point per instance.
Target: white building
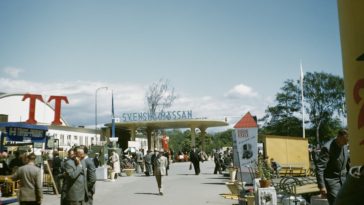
(18, 110)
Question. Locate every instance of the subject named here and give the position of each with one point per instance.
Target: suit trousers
(159, 181)
(196, 165)
(332, 191)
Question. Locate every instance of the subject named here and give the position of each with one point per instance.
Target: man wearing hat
(160, 166)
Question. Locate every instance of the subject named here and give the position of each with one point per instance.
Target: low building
(19, 108)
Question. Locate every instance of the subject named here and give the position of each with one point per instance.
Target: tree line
(324, 105)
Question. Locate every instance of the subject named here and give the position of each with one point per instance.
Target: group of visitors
(75, 176)
(10, 163)
(79, 178)
(222, 160)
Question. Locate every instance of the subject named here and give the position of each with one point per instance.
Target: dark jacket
(96, 161)
(4, 168)
(194, 156)
(91, 174)
(332, 165)
(56, 166)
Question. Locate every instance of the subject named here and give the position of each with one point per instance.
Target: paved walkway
(181, 187)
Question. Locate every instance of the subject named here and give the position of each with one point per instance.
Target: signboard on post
(246, 144)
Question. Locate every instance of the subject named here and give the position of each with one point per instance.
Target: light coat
(115, 162)
(160, 165)
(30, 182)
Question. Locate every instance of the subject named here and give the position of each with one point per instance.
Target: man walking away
(160, 166)
(30, 191)
(332, 166)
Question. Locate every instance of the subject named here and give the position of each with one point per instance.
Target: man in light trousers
(160, 166)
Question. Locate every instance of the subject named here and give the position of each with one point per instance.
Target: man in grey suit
(74, 188)
(90, 172)
(30, 191)
(332, 166)
(160, 166)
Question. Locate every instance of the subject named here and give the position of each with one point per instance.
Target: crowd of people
(75, 175)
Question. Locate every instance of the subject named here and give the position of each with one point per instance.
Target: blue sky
(223, 58)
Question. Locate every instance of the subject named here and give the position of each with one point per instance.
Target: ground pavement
(181, 187)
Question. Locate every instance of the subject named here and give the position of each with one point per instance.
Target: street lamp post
(96, 108)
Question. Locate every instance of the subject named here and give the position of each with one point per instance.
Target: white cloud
(12, 71)
(131, 98)
(241, 90)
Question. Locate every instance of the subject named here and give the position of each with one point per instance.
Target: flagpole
(303, 106)
(113, 115)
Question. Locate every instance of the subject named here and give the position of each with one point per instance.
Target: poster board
(287, 150)
(247, 146)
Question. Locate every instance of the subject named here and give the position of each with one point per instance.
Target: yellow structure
(287, 151)
(352, 42)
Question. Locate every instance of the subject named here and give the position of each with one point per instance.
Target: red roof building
(247, 121)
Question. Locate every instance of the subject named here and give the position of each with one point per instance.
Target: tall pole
(96, 108)
(303, 107)
(112, 115)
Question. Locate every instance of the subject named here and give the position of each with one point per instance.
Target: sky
(223, 58)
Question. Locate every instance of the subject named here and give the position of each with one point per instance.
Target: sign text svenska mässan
(146, 116)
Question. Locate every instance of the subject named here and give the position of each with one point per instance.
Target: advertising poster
(247, 146)
(245, 142)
